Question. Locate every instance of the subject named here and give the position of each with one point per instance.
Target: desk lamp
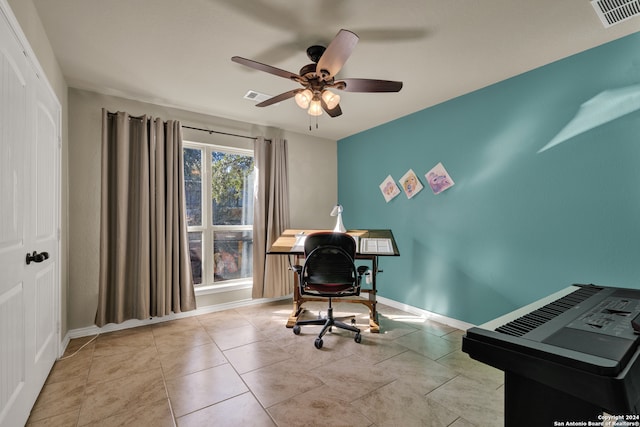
(337, 211)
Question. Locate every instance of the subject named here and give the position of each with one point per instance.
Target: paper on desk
(298, 246)
(375, 246)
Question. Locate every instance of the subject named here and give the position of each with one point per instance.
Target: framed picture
(410, 184)
(438, 179)
(389, 188)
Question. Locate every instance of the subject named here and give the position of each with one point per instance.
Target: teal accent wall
(517, 225)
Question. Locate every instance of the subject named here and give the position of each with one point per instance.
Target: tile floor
(243, 367)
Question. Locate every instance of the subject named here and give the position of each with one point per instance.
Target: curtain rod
(223, 133)
(200, 129)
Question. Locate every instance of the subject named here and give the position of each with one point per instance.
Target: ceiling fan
(317, 78)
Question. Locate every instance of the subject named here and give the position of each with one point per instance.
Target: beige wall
(313, 184)
(312, 163)
(29, 20)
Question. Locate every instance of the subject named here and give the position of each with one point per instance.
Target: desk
(284, 245)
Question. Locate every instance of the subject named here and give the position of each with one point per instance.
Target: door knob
(37, 257)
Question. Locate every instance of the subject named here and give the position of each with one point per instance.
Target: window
(219, 198)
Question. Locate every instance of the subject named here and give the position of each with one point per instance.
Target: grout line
(252, 317)
(164, 382)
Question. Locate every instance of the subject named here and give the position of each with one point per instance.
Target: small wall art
(438, 179)
(410, 184)
(389, 189)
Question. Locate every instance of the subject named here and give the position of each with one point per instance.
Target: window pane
(232, 180)
(193, 185)
(195, 251)
(232, 255)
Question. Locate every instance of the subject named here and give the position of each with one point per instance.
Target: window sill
(227, 287)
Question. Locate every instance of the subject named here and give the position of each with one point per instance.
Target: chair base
(327, 322)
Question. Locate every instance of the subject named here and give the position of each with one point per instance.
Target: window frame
(207, 228)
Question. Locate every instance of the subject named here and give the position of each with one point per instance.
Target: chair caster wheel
(358, 338)
(318, 343)
(296, 329)
(353, 321)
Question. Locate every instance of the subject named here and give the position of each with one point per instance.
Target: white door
(29, 221)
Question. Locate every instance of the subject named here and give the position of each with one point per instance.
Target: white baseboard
(454, 323)
(95, 330)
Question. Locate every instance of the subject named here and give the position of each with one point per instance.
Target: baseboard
(95, 330)
(134, 323)
(454, 323)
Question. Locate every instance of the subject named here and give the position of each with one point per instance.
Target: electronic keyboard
(578, 346)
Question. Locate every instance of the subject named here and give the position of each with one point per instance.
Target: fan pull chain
(310, 128)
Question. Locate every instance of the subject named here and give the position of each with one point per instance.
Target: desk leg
(297, 302)
(374, 325)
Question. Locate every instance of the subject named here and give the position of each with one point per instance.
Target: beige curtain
(271, 275)
(145, 269)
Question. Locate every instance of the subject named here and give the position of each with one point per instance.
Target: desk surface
(286, 241)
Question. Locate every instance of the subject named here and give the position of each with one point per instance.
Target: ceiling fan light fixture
(303, 98)
(315, 108)
(330, 98)
(315, 78)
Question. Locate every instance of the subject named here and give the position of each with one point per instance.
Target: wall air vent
(612, 12)
(252, 95)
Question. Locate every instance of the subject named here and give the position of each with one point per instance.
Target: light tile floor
(243, 367)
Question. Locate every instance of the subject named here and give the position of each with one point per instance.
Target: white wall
(313, 184)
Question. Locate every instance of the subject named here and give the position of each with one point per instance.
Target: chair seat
(314, 279)
(325, 287)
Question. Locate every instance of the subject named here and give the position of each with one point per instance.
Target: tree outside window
(221, 221)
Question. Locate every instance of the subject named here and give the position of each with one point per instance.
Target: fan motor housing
(308, 71)
(315, 52)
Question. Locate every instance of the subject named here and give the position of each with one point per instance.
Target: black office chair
(329, 271)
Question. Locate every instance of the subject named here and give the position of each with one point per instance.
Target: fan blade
(278, 98)
(335, 112)
(336, 54)
(386, 35)
(368, 85)
(266, 68)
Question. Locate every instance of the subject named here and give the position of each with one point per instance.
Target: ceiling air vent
(612, 12)
(252, 95)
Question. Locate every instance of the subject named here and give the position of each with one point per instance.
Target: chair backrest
(329, 269)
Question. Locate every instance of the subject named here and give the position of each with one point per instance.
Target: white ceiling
(178, 53)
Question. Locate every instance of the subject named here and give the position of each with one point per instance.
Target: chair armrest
(362, 269)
